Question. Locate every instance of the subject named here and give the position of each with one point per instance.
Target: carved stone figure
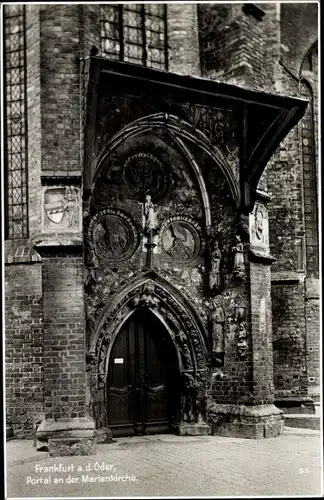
(146, 298)
(215, 273)
(218, 320)
(181, 340)
(242, 344)
(200, 405)
(150, 215)
(259, 224)
(238, 250)
(242, 348)
(190, 386)
(72, 206)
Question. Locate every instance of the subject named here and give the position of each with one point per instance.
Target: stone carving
(218, 320)
(215, 271)
(259, 225)
(150, 224)
(182, 341)
(187, 339)
(201, 404)
(102, 365)
(112, 235)
(146, 298)
(164, 302)
(180, 239)
(238, 266)
(150, 216)
(143, 173)
(242, 345)
(62, 209)
(189, 391)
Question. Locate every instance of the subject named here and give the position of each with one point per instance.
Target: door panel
(121, 384)
(142, 383)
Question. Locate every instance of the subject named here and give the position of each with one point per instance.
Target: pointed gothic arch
(179, 319)
(179, 130)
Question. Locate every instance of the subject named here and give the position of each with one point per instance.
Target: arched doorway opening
(143, 379)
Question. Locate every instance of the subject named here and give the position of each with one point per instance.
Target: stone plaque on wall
(61, 209)
(259, 226)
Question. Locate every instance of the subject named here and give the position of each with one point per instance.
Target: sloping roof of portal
(264, 119)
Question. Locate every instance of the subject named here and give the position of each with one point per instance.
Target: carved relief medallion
(61, 210)
(180, 238)
(144, 174)
(113, 235)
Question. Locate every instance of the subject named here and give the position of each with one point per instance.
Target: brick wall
(299, 23)
(313, 348)
(261, 334)
(60, 87)
(232, 45)
(289, 348)
(183, 39)
(287, 245)
(292, 216)
(34, 117)
(63, 315)
(24, 346)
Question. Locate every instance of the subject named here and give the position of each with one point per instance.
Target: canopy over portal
(241, 127)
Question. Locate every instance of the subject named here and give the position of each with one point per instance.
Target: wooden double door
(143, 378)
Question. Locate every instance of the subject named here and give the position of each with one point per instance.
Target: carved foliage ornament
(180, 238)
(113, 235)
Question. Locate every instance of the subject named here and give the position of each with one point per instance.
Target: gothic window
(308, 124)
(135, 33)
(15, 122)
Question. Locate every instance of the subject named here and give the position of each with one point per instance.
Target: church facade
(161, 251)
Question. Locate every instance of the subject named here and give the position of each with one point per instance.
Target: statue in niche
(216, 259)
(238, 250)
(150, 216)
(218, 320)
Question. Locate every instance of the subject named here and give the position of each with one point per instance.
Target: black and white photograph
(161, 231)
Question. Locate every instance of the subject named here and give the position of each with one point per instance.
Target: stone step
(9, 433)
(305, 421)
(299, 431)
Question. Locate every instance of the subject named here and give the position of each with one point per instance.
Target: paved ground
(168, 465)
